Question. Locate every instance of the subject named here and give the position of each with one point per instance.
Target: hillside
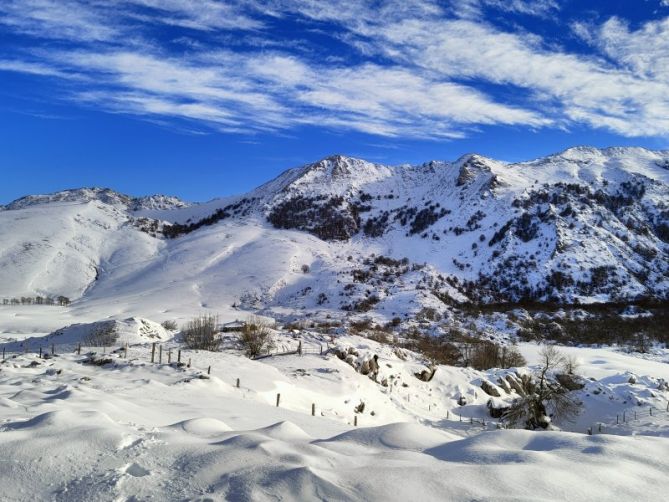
(586, 225)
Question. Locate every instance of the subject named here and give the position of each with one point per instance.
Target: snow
(133, 430)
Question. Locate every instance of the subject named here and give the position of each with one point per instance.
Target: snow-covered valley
(382, 286)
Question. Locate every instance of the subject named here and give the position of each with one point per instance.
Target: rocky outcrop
(427, 374)
(489, 388)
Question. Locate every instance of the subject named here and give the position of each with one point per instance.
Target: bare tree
(200, 333)
(570, 364)
(256, 336)
(542, 398)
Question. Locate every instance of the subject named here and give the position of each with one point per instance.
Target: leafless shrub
(201, 333)
(170, 325)
(256, 336)
(570, 364)
(104, 335)
(380, 336)
(484, 354)
(542, 399)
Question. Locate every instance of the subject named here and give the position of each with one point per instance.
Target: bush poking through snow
(201, 333)
(542, 399)
(170, 325)
(104, 335)
(256, 337)
(485, 355)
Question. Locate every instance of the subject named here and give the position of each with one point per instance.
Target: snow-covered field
(132, 430)
(586, 224)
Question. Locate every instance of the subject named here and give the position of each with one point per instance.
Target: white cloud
(274, 91)
(474, 8)
(57, 19)
(644, 52)
(200, 15)
(423, 67)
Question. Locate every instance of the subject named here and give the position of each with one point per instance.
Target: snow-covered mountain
(344, 234)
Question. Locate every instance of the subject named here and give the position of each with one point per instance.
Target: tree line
(60, 300)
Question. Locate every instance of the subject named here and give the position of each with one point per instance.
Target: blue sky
(206, 98)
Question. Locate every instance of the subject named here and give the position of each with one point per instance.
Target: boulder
(496, 411)
(426, 375)
(489, 388)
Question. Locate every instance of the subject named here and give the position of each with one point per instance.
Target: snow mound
(131, 330)
(112, 332)
(203, 427)
(400, 436)
(285, 431)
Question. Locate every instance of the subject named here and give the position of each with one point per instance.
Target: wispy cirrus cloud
(417, 68)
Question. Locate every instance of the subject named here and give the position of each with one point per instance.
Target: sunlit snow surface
(136, 431)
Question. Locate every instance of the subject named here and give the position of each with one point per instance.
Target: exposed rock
(489, 388)
(504, 385)
(427, 374)
(496, 411)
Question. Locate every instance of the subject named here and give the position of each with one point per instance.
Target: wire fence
(628, 416)
(300, 350)
(154, 353)
(161, 354)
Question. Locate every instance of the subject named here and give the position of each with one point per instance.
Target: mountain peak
(104, 195)
(74, 195)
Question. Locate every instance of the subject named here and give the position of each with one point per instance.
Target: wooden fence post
(238, 383)
(355, 421)
(3, 353)
(189, 362)
(125, 350)
(79, 349)
(617, 420)
(650, 410)
(169, 356)
(179, 357)
(40, 352)
(160, 354)
(313, 409)
(448, 415)
(600, 428)
(623, 417)
(278, 400)
(153, 352)
(209, 370)
(53, 348)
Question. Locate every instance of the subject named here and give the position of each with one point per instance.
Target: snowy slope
(134, 430)
(584, 225)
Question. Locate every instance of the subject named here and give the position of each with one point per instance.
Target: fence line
(627, 416)
(48, 351)
(154, 354)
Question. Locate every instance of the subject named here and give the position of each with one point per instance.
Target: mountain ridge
(586, 225)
